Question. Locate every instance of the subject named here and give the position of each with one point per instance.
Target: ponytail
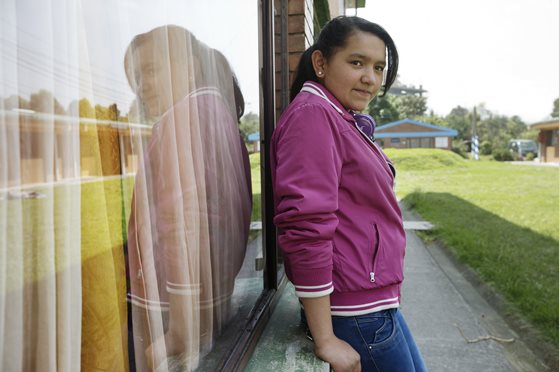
(304, 72)
(239, 99)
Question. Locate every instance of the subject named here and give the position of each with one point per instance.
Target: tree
(15, 102)
(530, 134)
(498, 130)
(459, 118)
(515, 126)
(411, 106)
(434, 119)
(555, 112)
(250, 123)
(493, 130)
(107, 113)
(382, 110)
(44, 101)
(86, 110)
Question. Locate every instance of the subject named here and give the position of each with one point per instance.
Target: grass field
(500, 219)
(256, 192)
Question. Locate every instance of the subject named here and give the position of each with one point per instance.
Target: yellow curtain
(104, 317)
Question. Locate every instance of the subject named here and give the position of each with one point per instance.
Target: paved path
(535, 163)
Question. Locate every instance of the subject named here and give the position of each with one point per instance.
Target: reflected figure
(191, 207)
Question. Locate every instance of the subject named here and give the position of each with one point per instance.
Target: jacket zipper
(375, 254)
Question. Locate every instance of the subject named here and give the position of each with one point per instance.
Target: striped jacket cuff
(314, 290)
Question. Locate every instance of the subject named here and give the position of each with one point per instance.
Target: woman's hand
(341, 356)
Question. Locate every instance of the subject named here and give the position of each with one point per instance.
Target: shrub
(461, 148)
(485, 148)
(502, 155)
(530, 156)
(458, 150)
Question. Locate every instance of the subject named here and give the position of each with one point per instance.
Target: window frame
(274, 280)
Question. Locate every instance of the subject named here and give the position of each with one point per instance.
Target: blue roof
(415, 134)
(254, 137)
(439, 131)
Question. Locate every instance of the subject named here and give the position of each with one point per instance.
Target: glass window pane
(127, 194)
(281, 83)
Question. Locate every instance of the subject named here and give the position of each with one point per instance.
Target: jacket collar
(363, 122)
(319, 90)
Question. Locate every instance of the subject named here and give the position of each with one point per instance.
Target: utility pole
(475, 139)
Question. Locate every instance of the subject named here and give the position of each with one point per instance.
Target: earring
(319, 73)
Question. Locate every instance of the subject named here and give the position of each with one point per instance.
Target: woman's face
(354, 73)
(163, 75)
(153, 80)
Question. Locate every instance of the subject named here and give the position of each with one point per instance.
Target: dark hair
(334, 35)
(227, 81)
(239, 99)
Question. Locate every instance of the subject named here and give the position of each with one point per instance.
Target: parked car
(521, 147)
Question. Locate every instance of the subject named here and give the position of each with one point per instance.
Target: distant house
(254, 139)
(548, 139)
(408, 133)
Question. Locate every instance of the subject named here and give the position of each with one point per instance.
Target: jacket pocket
(354, 266)
(387, 262)
(371, 264)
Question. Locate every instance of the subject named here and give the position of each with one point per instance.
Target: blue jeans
(383, 340)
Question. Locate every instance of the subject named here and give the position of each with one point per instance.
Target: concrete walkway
(455, 328)
(535, 163)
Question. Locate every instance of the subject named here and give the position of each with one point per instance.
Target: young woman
(190, 212)
(339, 224)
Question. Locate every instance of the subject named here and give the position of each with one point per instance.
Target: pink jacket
(339, 224)
(191, 207)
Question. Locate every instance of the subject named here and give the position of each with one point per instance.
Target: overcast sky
(504, 53)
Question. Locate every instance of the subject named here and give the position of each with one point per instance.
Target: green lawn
(500, 219)
(70, 224)
(256, 193)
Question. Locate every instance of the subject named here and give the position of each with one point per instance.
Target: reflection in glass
(86, 163)
(191, 206)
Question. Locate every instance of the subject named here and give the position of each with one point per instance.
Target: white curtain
(123, 225)
(40, 276)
